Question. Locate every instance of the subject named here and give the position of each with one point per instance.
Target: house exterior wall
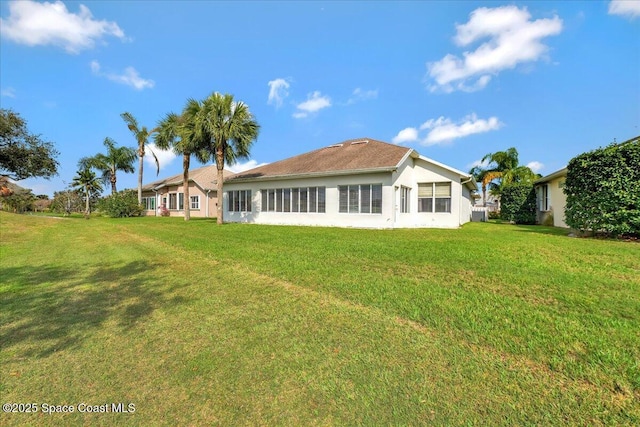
(415, 171)
(553, 212)
(331, 217)
(409, 174)
(207, 207)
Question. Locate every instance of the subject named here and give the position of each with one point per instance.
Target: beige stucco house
(551, 199)
(169, 192)
(355, 183)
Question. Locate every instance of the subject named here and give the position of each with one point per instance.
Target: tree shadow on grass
(45, 310)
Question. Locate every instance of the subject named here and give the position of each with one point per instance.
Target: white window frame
(434, 198)
(294, 200)
(239, 201)
(360, 199)
(196, 205)
(405, 199)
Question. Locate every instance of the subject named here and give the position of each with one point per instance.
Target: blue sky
(454, 80)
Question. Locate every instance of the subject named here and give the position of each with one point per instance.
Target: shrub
(518, 203)
(121, 204)
(603, 190)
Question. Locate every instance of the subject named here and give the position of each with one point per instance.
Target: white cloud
(362, 95)
(535, 166)
(165, 157)
(513, 39)
(478, 163)
(406, 135)
(129, 77)
(33, 23)
(241, 167)
(9, 92)
(444, 130)
(278, 91)
(628, 8)
(315, 102)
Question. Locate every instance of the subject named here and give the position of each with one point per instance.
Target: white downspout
(206, 213)
(460, 204)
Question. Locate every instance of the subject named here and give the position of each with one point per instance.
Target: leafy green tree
(142, 135)
(87, 181)
(67, 201)
(603, 190)
(228, 129)
(503, 167)
(116, 159)
(22, 154)
(19, 201)
(121, 204)
(176, 132)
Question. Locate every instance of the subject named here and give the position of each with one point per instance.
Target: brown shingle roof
(351, 155)
(204, 177)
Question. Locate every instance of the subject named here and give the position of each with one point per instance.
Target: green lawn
(199, 324)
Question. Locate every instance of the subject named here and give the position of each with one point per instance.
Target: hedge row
(518, 203)
(603, 190)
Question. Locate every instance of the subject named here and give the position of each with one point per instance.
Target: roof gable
(205, 177)
(347, 156)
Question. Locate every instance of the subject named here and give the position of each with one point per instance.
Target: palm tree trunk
(87, 210)
(140, 166)
(186, 158)
(113, 184)
(219, 193)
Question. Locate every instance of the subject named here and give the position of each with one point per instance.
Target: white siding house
(356, 183)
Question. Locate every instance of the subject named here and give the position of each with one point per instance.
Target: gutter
(312, 174)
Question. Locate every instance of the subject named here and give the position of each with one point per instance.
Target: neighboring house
(551, 199)
(356, 183)
(169, 192)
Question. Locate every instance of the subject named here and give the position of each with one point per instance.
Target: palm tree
(87, 181)
(503, 166)
(176, 132)
(484, 176)
(228, 129)
(116, 159)
(142, 135)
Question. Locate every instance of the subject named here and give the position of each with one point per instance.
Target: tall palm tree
(229, 130)
(176, 132)
(87, 181)
(503, 166)
(142, 135)
(116, 159)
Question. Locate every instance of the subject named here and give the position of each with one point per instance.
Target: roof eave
(551, 176)
(314, 174)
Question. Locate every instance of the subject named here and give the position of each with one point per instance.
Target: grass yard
(198, 324)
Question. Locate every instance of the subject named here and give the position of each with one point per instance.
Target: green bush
(121, 204)
(603, 190)
(518, 203)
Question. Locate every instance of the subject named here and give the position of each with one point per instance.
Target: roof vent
(335, 146)
(364, 141)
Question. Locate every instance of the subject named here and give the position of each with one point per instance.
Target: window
(239, 201)
(405, 199)
(173, 201)
(443, 197)
(194, 202)
(149, 203)
(544, 197)
(305, 199)
(180, 201)
(366, 198)
(434, 197)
